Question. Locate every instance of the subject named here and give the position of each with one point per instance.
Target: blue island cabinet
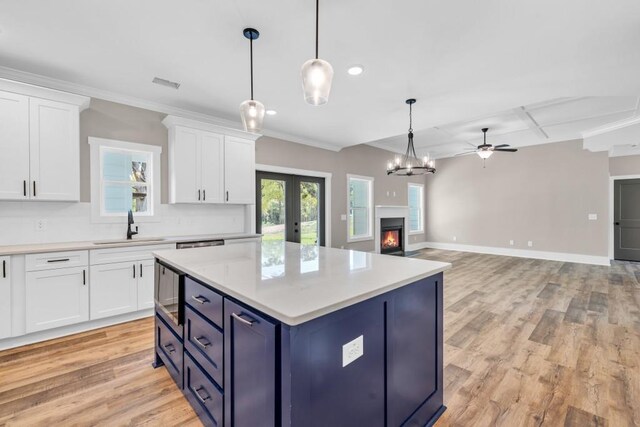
(375, 363)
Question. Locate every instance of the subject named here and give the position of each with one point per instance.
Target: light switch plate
(343, 217)
(352, 350)
(593, 217)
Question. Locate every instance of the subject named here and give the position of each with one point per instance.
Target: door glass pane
(273, 206)
(310, 213)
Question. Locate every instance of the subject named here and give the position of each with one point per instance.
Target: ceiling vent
(167, 83)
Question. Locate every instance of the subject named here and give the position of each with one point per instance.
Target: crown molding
(171, 121)
(82, 102)
(88, 91)
(621, 124)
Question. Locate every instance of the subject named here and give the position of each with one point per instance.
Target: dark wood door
(626, 213)
(249, 368)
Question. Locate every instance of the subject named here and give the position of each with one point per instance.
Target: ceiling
(462, 60)
(556, 120)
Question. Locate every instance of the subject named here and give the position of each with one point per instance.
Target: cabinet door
(114, 289)
(56, 298)
(212, 167)
(239, 171)
(14, 146)
(249, 368)
(54, 144)
(146, 280)
(184, 172)
(5, 297)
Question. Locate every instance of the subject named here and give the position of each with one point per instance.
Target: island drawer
(205, 301)
(204, 342)
(202, 393)
(170, 350)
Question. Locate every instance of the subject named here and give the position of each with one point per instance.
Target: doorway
(290, 208)
(626, 219)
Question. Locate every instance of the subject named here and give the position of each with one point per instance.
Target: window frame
(97, 147)
(421, 229)
(369, 236)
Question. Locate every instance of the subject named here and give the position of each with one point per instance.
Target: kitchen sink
(121, 241)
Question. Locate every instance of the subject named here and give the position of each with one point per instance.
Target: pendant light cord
(410, 118)
(317, 14)
(251, 60)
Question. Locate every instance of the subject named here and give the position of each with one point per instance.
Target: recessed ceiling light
(355, 70)
(271, 112)
(165, 82)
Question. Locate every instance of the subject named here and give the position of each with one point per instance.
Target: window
(124, 176)
(416, 208)
(360, 202)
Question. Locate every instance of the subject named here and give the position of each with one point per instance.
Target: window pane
(273, 208)
(124, 166)
(415, 208)
(359, 208)
(119, 198)
(359, 222)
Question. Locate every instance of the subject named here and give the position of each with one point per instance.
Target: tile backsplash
(47, 222)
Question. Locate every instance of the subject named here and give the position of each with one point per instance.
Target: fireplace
(391, 232)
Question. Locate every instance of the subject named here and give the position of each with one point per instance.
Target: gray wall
(542, 193)
(110, 120)
(358, 160)
(628, 165)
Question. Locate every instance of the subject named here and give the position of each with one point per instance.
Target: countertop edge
(38, 248)
(298, 320)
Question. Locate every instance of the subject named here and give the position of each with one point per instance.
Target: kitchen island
(274, 333)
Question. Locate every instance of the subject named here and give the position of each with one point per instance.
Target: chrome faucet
(130, 233)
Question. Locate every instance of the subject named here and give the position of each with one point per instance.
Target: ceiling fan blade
(507, 150)
(501, 146)
(466, 153)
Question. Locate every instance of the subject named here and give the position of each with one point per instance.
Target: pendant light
(252, 111)
(409, 164)
(316, 76)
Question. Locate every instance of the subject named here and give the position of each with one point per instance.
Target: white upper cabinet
(14, 146)
(54, 135)
(240, 170)
(39, 143)
(210, 164)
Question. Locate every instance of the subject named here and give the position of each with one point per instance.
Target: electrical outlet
(387, 194)
(352, 350)
(343, 217)
(511, 242)
(41, 225)
(455, 239)
(394, 194)
(593, 217)
(530, 243)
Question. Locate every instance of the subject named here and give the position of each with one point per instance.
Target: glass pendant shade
(317, 75)
(252, 114)
(484, 154)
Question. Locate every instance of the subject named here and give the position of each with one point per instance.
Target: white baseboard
(417, 246)
(72, 329)
(521, 253)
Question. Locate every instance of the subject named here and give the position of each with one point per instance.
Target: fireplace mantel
(382, 211)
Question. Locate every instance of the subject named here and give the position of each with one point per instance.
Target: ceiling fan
(485, 150)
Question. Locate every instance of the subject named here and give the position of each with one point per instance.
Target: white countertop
(295, 283)
(33, 248)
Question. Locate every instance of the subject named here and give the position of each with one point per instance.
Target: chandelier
(409, 164)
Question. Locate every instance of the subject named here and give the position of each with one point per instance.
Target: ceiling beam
(530, 122)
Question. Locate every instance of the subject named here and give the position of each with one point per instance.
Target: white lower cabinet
(113, 289)
(5, 297)
(146, 284)
(56, 297)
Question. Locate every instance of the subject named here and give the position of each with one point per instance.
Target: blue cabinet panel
(204, 396)
(205, 343)
(414, 377)
(249, 368)
(204, 300)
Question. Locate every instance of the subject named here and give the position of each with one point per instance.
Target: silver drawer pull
(200, 299)
(245, 321)
(203, 344)
(58, 260)
(200, 398)
(170, 348)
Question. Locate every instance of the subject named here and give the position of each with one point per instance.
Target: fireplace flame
(390, 239)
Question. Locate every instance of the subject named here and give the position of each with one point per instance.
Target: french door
(290, 208)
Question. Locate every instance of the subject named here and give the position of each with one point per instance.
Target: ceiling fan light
(252, 114)
(317, 75)
(484, 154)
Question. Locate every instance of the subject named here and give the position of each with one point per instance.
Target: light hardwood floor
(527, 342)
